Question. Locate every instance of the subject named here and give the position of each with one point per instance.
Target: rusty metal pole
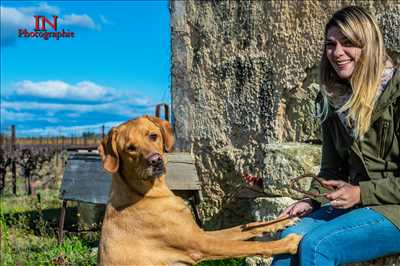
(166, 111)
(61, 222)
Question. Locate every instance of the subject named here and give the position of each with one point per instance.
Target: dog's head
(136, 148)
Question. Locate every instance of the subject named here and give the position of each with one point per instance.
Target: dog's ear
(166, 131)
(108, 152)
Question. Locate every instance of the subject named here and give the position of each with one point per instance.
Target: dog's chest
(155, 214)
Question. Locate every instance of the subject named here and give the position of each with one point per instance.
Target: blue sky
(115, 68)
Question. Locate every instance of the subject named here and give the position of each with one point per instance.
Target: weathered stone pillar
(244, 75)
(244, 81)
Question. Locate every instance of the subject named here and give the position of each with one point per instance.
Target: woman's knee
(316, 247)
(310, 242)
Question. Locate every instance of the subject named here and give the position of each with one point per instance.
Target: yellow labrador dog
(146, 224)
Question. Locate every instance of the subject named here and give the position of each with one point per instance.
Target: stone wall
(244, 80)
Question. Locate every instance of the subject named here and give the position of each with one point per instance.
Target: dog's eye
(153, 136)
(131, 147)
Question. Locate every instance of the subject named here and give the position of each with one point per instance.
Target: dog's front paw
(269, 226)
(293, 241)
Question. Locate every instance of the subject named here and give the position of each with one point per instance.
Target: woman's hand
(345, 195)
(299, 208)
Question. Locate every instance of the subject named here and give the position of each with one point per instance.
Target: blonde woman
(360, 118)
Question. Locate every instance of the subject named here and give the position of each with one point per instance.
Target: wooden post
(14, 176)
(102, 132)
(3, 182)
(13, 163)
(13, 137)
(10, 149)
(57, 151)
(28, 182)
(30, 190)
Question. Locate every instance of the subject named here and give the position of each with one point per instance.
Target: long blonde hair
(361, 29)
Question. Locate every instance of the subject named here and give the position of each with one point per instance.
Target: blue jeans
(336, 236)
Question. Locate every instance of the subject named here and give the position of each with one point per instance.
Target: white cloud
(73, 115)
(72, 130)
(12, 19)
(52, 120)
(83, 21)
(121, 107)
(49, 108)
(15, 116)
(45, 106)
(14, 112)
(57, 89)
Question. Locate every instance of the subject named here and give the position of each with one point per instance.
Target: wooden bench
(86, 181)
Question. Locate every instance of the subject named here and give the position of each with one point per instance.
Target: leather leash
(293, 184)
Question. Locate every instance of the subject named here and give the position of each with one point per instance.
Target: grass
(28, 233)
(28, 227)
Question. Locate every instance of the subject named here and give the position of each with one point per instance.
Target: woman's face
(341, 53)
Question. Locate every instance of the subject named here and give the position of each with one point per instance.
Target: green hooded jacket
(372, 163)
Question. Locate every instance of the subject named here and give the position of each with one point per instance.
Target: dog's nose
(154, 159)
